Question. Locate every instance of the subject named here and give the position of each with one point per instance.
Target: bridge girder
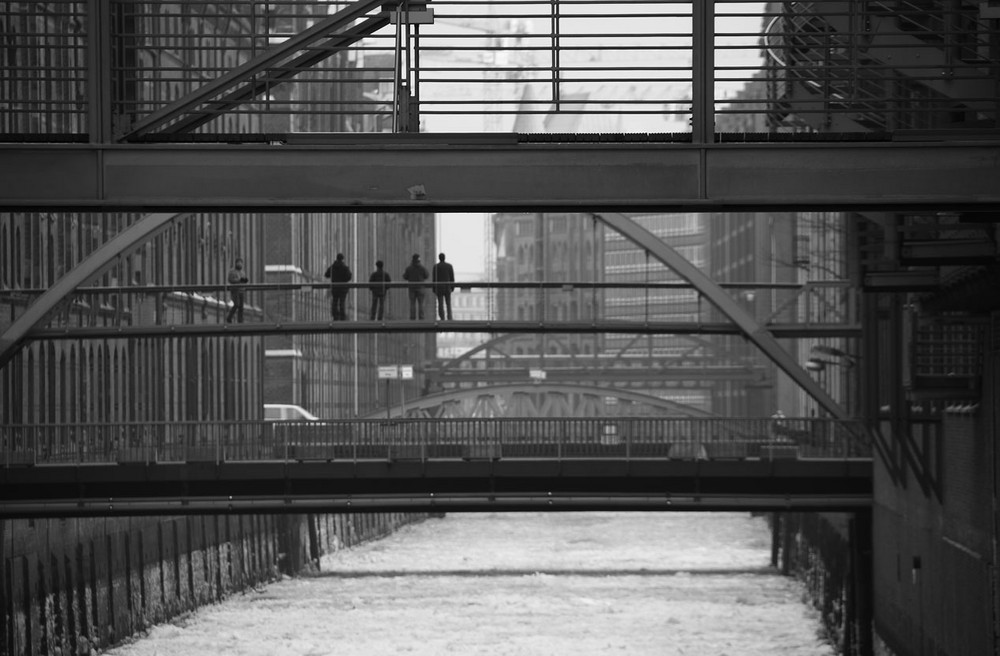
(483, 401)
(472, 172)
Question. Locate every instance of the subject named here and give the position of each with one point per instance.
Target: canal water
(512, 584)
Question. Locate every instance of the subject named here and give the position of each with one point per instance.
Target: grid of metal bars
(43, 68)
(526, 66)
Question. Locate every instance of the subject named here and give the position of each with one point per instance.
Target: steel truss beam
(432, 401)
(438, 172)
(494, 350)
(241, 83)
(617, 375)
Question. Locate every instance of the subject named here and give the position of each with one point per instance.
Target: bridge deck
(441, 464)
(443, 485)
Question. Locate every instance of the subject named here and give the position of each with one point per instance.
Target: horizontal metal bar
(375, 174)
(427, 503)
(552, 326)
(463, 286)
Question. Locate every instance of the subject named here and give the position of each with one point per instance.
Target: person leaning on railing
(377, 284)
(416, 274)
(339, 274)
(236, 279)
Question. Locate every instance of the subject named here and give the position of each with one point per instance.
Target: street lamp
(816, 364)
(843, 359)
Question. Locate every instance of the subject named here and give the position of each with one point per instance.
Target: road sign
(389, 371)
(406, 371)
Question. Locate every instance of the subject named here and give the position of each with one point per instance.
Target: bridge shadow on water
(520, 572)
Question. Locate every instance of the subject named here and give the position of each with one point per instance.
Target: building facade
(81, 585)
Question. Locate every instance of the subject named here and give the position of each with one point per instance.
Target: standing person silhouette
(339, 273)
(443, 277)
(416, 274)
(236, 279)
(377, 283)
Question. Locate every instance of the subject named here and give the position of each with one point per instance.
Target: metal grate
(648, 67)
(43, 68)
(947, 358)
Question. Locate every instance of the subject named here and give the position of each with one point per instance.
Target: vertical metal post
(414, 117)
(554, 25)
(398, 101)
(703, 73)
(99, 70)
(703, 76)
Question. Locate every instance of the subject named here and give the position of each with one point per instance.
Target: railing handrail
(458, 284)
(423, 438)
(433, 420)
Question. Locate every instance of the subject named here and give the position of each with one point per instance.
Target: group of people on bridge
(442, 276)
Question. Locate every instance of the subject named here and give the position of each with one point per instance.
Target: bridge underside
(444, 173)
(452, 485)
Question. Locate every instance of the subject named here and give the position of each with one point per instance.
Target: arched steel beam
(434, 400)
(138, 233)
(755, 331)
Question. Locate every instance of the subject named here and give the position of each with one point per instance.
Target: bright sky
(462, 238)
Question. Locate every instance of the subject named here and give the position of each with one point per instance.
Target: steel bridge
(853, 118)
(539, 399)
(435, 464)
(859, 113)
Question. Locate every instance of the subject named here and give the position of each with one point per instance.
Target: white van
(287, 412)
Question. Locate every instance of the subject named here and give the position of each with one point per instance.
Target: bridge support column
(6, 622)
(289, 543)
(858, 638)
(775, 537)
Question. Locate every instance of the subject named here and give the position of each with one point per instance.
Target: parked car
(287, 412)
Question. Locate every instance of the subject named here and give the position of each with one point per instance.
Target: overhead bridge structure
(450, 173)
(287, 107)
(436, 464)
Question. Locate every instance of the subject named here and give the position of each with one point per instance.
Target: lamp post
(822, 357)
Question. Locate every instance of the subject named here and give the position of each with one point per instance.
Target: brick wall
(75, 586)
(933, 554)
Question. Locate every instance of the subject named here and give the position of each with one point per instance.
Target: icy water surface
(640, 584)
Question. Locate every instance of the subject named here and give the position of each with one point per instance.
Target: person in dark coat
(339, 273)
(236, 279)
(416, 274)
(443, 278)
(377, 283)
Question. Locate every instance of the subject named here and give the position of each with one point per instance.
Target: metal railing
(429, 439)
(251, 70)
(837, 66)
(820, 304)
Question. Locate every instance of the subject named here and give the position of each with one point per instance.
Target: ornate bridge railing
(433, 439)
